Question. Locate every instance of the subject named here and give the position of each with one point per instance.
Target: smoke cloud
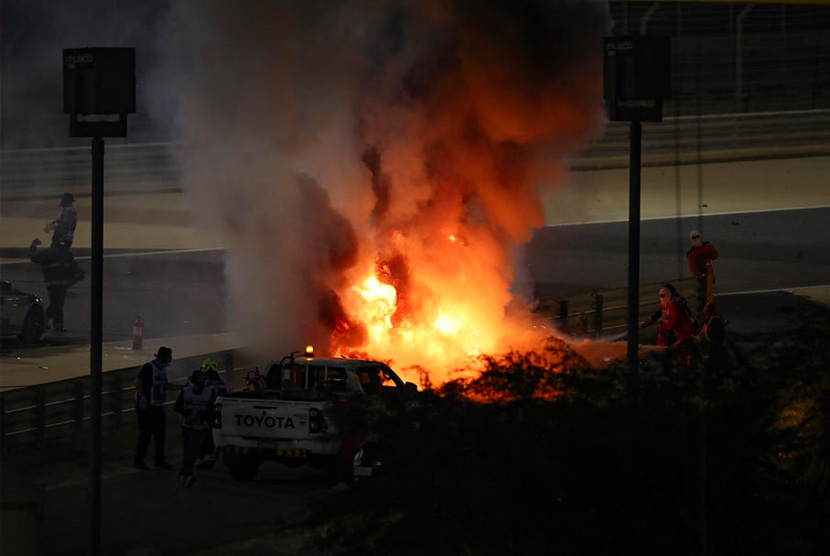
(376, 165)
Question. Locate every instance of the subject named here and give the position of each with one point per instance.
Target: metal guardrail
(603, 314)
(60, 411)
(714, 138)
(153, 167)
(136, 168)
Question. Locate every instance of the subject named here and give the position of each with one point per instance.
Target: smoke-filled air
(375, 165)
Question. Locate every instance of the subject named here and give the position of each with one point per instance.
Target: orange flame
(438, 308)
(460, 118)
(377, 308)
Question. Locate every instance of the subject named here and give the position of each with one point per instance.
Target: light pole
(637, 78)
(98, 93)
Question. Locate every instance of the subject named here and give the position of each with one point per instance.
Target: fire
(444, 310)
(397, 173)
(449, 325)
(377, 308)
(450, 236)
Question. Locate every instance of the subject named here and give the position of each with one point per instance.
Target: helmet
(165, 354)
(695, 237)
(209, 365)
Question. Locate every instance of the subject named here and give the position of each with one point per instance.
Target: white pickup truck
(304, 410)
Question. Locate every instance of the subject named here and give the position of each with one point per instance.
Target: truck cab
(305, 410)
(300, 377)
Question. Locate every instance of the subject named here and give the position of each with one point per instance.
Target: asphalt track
(182, 292)
(757, 251)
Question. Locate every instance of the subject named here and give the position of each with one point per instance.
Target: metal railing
(602, 315)
(738, 57)
(137, 168)
(60, 411)
(153, 167)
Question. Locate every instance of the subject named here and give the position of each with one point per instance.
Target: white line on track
(674, 216)
(204, 249)
(790, 290)
(748, 115)
(126, 146)
(159, 252)
(138, 254)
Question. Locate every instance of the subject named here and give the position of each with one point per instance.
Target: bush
(541, 454)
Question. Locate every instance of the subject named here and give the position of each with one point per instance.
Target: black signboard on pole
(98, 93)
(98, 90)
(637, 79)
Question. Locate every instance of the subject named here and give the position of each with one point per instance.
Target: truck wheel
(242, 468)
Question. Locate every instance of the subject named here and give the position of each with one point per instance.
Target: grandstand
(727, 57)
(730, 57)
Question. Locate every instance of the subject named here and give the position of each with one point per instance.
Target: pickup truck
(304, 410)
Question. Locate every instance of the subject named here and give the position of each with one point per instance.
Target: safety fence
(34, 416)
(129, 168)
(713, 138)
(154, 167)
(738, 56)
(602, 315)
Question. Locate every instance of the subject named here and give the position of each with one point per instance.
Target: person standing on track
(151, 388)
(64, 225)
(59, 269)
(700, 257)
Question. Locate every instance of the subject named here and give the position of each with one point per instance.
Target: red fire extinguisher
(138, 333)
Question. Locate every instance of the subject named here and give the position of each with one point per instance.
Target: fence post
(597, 315)
(739, 56)
(563, 314)
(78, 411)
(40, 416)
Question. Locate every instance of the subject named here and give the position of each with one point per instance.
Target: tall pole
(634, 246)
(95, 344)
(739, 57)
